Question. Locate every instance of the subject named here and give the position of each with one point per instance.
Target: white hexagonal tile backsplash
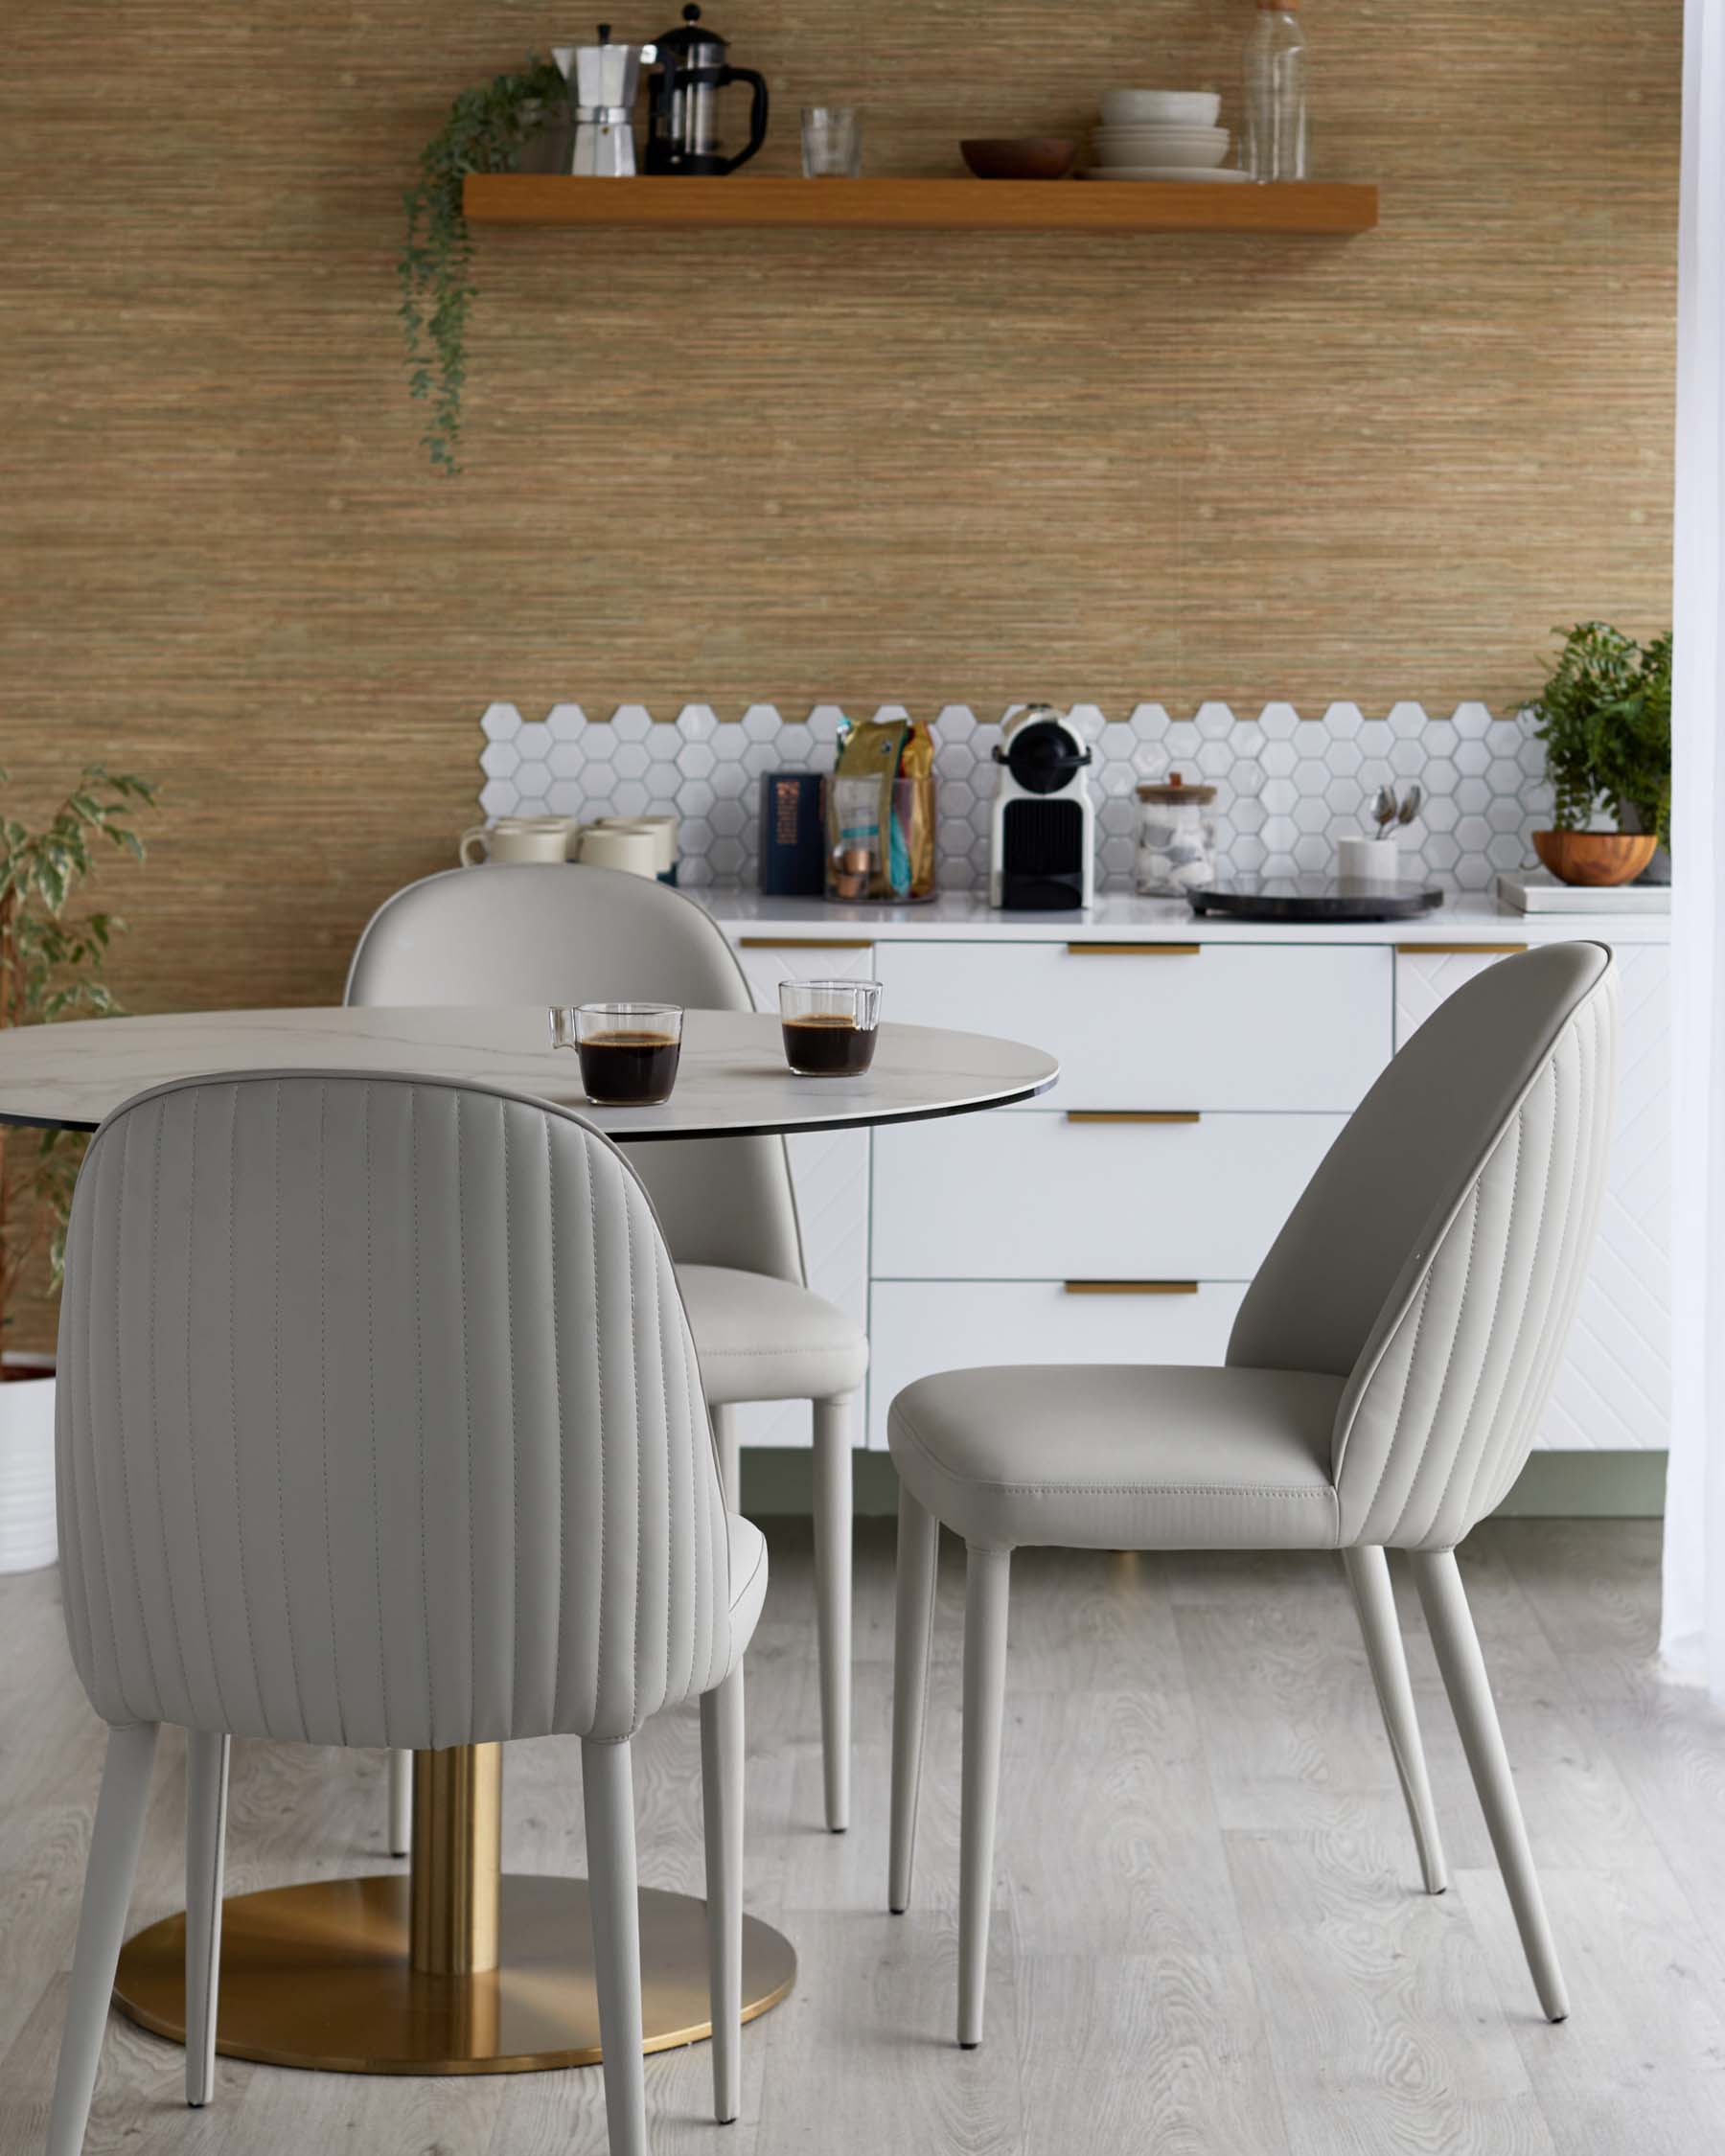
(1288, 786)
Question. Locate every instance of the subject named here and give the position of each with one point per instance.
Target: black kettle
(683, 122)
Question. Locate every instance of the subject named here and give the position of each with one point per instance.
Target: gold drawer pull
(1133, 950)
(1132, 1115)
(804, 943)
(1460, 950)
(1131, 1286)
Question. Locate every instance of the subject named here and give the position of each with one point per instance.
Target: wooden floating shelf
(924, 205)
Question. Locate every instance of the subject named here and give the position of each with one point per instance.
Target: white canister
(636, 853)
(663, 830)
(520, 838)
(1176, 839)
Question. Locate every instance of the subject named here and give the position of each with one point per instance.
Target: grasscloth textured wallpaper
(716, 468)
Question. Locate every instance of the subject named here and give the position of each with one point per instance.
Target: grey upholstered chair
(1383, 1384)
(525, 934)
(319, 1334)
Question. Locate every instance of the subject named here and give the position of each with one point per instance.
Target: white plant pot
(29, 1538)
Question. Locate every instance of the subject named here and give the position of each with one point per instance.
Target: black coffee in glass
(628, 1070)
(828, 1047)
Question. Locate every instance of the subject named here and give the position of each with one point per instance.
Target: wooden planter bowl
(1022, 157)
(1600, 859)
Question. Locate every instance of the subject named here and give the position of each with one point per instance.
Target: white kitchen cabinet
(960, 1242)
(829, 1171)
(1042, 1197)
(1614, 1388)
(922, 1326)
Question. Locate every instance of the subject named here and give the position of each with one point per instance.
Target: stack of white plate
(1160, 135)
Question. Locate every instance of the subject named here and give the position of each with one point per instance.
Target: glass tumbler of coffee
(628, 1052)
(829, 1026)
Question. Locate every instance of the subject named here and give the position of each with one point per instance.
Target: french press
(683, 126)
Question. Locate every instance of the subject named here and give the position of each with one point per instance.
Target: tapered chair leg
(608, 1797)
(1450, 1621)
(987, 1581)
(207, 1756)
(401, 1803)
(1374, 1601)
(729, 1445)
(914, 1632)
(721, 1805)
(113, 1860)
(832, 1442)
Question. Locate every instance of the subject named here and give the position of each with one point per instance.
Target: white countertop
(963, 917)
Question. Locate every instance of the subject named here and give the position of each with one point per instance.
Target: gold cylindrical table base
(457, 1859)
(322, 1976)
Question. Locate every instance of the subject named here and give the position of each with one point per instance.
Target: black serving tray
(1315, 898)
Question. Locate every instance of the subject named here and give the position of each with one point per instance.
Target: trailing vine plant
(485, 133)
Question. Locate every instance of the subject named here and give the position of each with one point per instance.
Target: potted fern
(51, 963)
(1605, 719)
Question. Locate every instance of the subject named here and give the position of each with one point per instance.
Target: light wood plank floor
(1207, 1933)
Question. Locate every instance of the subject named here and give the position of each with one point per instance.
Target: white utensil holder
(1368, 861)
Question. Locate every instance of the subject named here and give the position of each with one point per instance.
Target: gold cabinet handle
(1132, 1115)
(805, 943)
(1460, 950)
(1133, 950)
(1131, 1286)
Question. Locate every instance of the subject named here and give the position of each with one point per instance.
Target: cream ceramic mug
(518, 839)
(636, 853)
(662, 830)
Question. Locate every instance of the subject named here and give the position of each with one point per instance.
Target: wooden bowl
(1020, 157)
(1600, 859)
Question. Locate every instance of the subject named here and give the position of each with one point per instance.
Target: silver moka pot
(604, 79)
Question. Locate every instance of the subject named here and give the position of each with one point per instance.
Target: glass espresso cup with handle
(628, 1052)
(829, 1027)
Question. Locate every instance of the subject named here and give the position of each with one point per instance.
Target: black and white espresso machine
(1041, 846)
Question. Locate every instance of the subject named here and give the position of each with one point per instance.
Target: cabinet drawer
(1040, 1196)
(766, 961)
(1167, 1025)
(959, 1324)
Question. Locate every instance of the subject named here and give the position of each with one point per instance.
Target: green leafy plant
(487, 130)
(1605, 719)
(51, 966)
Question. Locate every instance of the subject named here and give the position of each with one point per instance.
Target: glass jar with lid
(1176, 837)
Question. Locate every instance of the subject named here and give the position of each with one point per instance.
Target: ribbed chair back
(509, 932)
(381, 1422)
(1436, 1257)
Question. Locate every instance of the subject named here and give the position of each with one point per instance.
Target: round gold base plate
(318, 1975)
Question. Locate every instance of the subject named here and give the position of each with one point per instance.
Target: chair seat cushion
(748, 1581)
(1124, 1455)
(761, 1339)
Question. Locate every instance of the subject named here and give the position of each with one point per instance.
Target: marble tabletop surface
(733, 1081)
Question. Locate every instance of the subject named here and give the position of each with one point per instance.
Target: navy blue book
(793, 835)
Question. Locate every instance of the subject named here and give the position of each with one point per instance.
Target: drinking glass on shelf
(832, 141)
